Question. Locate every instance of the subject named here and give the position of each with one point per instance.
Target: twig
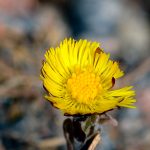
(52, 142)
(95, 142)
(42, 144)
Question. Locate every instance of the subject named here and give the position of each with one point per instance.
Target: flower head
(79, 77)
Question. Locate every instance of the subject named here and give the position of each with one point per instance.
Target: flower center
(84, 85)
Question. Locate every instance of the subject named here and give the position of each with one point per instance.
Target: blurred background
(29, 27)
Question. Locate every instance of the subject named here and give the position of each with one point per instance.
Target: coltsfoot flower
(79, 77)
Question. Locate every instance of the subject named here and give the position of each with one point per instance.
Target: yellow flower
(79, 77)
